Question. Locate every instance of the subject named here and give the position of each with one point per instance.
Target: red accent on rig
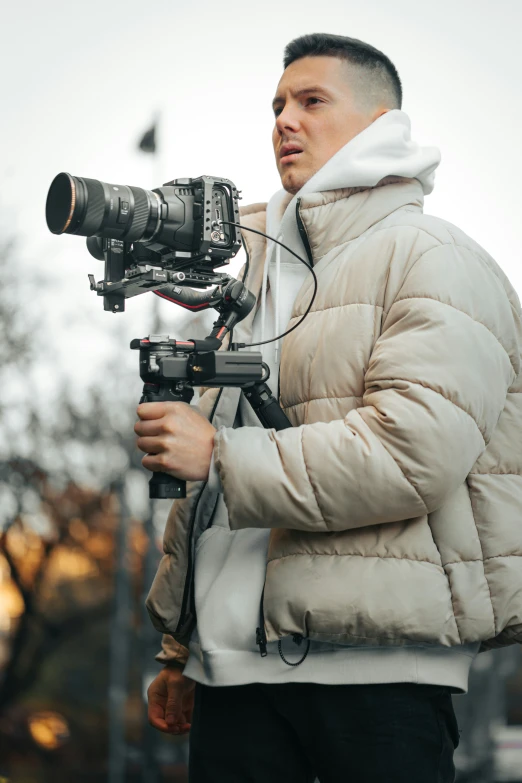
(182, 304)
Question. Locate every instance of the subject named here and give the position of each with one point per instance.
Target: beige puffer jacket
(395, 501)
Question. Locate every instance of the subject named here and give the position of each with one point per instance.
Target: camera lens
(89, 207)
(61, 201)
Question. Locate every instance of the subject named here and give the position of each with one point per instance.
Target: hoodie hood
(382, 149)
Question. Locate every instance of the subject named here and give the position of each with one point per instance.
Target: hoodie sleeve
(434, 389)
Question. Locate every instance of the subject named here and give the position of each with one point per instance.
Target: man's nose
(287, 120)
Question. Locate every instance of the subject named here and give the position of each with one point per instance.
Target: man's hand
(171, 701)
(176, 438)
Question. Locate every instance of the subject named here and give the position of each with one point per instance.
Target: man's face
(316, 115)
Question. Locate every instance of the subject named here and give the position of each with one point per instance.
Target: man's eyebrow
(299, 93)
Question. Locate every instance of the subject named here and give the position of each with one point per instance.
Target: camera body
(191, 211)
(148, 238)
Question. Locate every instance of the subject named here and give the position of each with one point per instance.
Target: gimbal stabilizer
(171, 368)
(170, 240)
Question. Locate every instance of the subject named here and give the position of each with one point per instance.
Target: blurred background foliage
(76, 535)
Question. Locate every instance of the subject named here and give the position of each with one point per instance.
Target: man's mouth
(289, 152)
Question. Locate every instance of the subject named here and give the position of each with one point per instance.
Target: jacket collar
(330, 218)
(359, 208)
(352, 211)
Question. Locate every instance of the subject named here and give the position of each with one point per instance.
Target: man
(369, 551)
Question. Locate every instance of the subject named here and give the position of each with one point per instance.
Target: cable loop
(309, 266)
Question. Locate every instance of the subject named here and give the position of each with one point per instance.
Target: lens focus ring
(95, 207)
(141, 213)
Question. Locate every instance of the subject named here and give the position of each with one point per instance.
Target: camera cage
(132, 268)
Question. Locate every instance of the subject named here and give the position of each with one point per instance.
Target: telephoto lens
(88, 207)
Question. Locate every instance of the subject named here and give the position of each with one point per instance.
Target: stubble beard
(295, 182)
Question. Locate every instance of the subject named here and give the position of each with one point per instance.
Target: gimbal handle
(162, 486)
(169, 368)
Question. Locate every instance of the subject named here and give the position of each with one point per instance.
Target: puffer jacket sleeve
(172, 653)
(434, 389)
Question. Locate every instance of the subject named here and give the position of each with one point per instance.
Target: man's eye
(316, 101)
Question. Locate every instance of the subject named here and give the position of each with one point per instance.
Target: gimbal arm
(188, 298)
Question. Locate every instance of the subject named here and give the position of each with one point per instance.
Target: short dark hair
(380, 80)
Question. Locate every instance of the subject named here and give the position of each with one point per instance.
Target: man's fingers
(167, 717)
(151, 410)
(151, 445)
(150, 427)
(157, 698)
(156, 716)
(165, 696)
(161, 724)
(173, 712)
(156, 410)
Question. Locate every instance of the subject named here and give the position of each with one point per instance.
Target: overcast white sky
(80, 83)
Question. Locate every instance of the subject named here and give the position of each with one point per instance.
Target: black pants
(295, 732)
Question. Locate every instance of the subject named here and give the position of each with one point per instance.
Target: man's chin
(293, 184)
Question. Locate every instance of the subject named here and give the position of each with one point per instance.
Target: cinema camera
(170, 240)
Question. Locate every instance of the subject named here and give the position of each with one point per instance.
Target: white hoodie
(230, 565)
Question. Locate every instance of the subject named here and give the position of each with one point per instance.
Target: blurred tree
(62, 465)
(58, 515)
(60, 561)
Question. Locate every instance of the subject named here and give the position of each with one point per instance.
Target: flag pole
(158, 174)
(150, 640)
(158, 179)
